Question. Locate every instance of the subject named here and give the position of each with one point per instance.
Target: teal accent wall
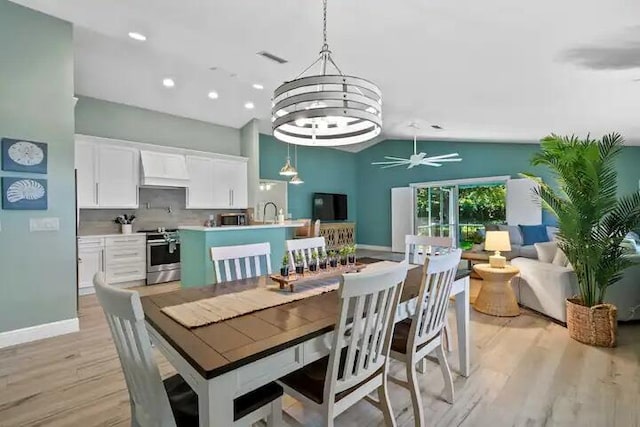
(97, 117)
(479, 160)
(38, 270)
(324, 170)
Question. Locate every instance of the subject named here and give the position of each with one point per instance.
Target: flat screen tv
(329, 207)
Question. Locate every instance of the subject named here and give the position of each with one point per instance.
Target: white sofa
(544, 287)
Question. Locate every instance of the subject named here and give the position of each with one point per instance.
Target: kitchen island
(196, 244)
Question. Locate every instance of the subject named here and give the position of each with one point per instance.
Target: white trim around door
(38, 332)
(462, 181)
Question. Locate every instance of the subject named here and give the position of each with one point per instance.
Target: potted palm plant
(592, 221)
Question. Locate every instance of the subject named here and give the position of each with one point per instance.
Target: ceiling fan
(418, 159)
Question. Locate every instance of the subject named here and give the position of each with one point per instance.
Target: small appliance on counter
(211, 222)
(232, 219)
(163, 255)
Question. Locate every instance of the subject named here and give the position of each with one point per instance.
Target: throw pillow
(534, 234)
(546, 251)
(515, 235)
(560, 258)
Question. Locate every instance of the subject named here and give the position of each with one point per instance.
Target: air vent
(272, 57)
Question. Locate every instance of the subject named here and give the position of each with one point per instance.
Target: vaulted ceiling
(497, 70)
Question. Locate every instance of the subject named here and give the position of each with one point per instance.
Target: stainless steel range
(163, 256)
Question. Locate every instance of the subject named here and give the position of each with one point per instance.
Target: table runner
(216, 309)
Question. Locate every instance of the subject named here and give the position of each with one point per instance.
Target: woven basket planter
(597, 325)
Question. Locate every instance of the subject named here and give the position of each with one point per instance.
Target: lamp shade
(497, 241)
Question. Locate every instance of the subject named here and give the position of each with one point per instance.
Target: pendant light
(287, 169)
(296, 180)
(326, 109)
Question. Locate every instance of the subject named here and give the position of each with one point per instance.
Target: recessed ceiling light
(249, 105)
(258, 86)
(213, 94)
(168, 82)
(137, 36)
(438, 127)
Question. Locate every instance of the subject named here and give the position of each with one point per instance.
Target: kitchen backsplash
(159, 207)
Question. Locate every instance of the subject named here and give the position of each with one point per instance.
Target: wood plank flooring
(525, 372)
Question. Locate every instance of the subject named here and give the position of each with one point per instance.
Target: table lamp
(497, 241)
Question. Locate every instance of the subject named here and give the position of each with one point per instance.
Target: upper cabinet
(107, 175)
(110, 173)
(87, 175)
(118, 177)
(217, 183)
(201, 180)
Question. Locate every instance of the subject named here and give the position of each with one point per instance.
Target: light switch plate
(44, 224)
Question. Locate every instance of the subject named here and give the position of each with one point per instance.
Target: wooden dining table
(227, 359)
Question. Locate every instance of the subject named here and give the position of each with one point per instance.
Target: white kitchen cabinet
(216, 183)
(87, 177)
(201, 181)
(118, 176)
(108, 174)
(230, 184)
(90, 262)
(125, 258)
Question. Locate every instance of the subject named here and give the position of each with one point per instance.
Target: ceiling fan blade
(392, 166)
(436, 165)
(444, 156)
(395, 158)
(392, 162)
(445, 160)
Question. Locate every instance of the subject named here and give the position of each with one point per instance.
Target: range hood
(163, 169)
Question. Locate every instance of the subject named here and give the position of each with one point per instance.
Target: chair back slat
(235, 259)
(439, 273)
(421, 246)
(305, 248)
(123, 311)
(362, 338)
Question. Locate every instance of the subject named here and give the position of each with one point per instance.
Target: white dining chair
(420, 335)
(421, 246)
(316, 228)
(168, 403)
(233, 260)
(359, 359)
(304, 247)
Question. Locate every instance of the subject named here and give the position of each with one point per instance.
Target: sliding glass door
(437, 211)
(459, 209)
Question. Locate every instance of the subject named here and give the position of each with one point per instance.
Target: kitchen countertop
(83, 236)
(287, 224)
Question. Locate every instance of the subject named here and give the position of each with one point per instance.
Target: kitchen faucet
(275, 212)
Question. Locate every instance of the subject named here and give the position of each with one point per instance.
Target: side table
(496, 296)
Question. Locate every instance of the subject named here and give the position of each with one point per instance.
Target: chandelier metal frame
(326, 109)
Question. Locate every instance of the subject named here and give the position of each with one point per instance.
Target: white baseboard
(38, 332)
(374, 247)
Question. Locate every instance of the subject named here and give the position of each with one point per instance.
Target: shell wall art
(24, 193)
(24, 156)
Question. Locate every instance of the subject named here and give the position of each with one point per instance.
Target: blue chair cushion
(533, 234)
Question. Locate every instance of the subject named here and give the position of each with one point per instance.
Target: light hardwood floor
(525, 372)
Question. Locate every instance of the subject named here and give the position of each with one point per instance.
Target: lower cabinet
(122, 258)
(90, 262)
